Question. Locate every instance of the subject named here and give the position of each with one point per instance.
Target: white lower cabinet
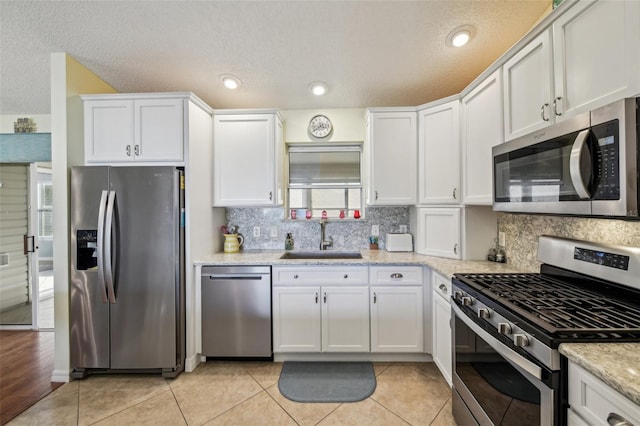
(296, 319)
(441, 348)
(396, 319)
(339, 309)
(595, 403)
(333, 317)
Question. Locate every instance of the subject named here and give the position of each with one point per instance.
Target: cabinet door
(159, 130)
(438, 232)
(296, 319)
(442, 336)
(596, 54)
(439, 154)
(392, 145)
(528, 88)
(396, 319)
(481, 130)
(345, 319)
(108, 131)
(244, 160)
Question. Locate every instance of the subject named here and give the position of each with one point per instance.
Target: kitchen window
(325, 178)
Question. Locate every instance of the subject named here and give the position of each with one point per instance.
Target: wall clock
(320, 126)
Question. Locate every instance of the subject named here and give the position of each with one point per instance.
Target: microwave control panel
(607, 153)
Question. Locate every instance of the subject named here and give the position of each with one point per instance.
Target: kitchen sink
(293, 255)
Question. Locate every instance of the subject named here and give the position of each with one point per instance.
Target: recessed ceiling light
(318, 88)
(230, 81)
(460, 36)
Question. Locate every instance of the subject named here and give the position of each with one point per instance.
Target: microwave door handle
(577, 151)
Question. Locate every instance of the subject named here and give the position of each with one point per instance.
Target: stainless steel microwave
(586, 165)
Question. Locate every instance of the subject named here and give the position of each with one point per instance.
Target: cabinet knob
(396, 275)
(136, 150)
(295, 277)
(555, 105)
(543, 109)
(346, 276)
(128, 150)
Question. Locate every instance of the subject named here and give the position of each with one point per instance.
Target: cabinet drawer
(401, 275)
(596, 402)
(441, 286)
(320, 275)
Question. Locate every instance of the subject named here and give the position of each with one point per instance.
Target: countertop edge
(444, 266)
(604, 360)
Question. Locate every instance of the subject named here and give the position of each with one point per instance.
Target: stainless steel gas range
(507, 329)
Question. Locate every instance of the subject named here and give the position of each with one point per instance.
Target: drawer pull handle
(555, 105)
(316, 298)
(542, 111)
(442, 287)
(136, 150)
(295, 277)
(270, 195)
(375, 298)
(615, 419)
(346, 276)
(376, 194)
(454, 193)
(128, 150)
(396, 275)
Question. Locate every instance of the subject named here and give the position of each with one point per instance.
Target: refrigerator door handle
(100, 248)
(107, 246)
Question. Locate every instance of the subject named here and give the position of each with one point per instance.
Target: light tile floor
(242, 393)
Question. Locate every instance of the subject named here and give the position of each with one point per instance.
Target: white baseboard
(191, 363)
(63, 376)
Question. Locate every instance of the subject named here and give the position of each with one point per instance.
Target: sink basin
(293, 255)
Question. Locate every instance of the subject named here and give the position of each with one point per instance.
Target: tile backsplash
(348, 234)
(522, 232)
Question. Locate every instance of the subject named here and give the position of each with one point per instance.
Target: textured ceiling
(370, 53)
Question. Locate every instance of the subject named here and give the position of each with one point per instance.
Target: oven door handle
(511, 356)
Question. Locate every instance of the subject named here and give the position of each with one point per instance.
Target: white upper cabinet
(589, 57)
(438, 232)
(596, 51)
(439, 154)
(392, 146)
(528, 88)
(481, 117)
(125, 128)
(247, 159)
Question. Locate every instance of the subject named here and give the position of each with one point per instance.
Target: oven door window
(540, 172)
(504, 394)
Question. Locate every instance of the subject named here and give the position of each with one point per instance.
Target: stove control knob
(467, 301)
(457, 295)
(504, 328)
(484, 313)
(520, 340)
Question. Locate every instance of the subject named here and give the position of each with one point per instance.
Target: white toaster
(399, 242)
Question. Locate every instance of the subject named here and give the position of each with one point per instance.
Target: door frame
(32, 230)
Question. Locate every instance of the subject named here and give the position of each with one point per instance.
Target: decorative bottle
(288, 242)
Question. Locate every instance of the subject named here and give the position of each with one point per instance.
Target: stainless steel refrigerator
(127, 309)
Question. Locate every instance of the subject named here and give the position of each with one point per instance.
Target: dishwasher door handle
(236, 277)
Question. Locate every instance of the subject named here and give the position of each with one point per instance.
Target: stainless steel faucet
(324, 244)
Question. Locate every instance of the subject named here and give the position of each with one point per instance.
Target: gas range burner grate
(560, 308)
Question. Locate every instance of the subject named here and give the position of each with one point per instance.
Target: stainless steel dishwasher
(236, 311)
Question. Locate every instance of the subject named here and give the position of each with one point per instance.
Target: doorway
(25, 216)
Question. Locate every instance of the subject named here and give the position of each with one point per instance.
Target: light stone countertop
(616, 364)
(444, 266)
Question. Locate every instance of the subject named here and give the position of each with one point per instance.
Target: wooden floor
(26, 364)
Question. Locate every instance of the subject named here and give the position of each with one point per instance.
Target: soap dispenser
(288, 242)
